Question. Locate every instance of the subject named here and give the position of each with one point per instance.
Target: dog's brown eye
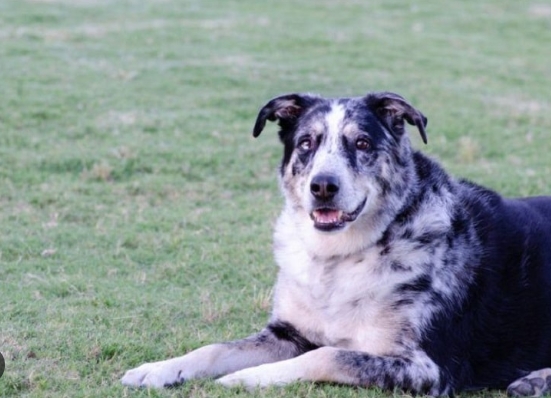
(362, 144)
(305, 144)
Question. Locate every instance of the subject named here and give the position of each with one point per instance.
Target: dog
(392, 273)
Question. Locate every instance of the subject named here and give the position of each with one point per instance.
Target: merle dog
(392, 273)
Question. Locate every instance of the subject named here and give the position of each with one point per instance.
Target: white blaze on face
(334, 121)
(326, 159)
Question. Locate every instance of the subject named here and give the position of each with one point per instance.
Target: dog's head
(343, 158)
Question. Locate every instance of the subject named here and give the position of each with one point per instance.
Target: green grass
(136, 210)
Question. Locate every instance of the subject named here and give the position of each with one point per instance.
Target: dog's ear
(393, 109)
(286, 109)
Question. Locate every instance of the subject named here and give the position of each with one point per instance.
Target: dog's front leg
(277, 342)
(416, 373)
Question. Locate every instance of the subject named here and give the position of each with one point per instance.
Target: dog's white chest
(343, 303)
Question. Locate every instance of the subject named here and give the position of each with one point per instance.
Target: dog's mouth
(330, 219)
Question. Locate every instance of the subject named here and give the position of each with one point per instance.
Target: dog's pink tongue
(326, 216)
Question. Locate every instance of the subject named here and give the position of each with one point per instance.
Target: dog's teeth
(327, 216)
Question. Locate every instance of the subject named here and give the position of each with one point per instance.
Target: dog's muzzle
(324, 187)
(330, 219)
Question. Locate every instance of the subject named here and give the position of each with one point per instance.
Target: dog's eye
(362, 144)
(305, 144)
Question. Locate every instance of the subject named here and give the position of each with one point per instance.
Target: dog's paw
(535, 384)
(260, 376)
(156, 374)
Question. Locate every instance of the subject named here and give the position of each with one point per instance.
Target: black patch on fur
(399, 267)
(396, 159)
(295, 169)
(304, 159)
(288, 149)
(385, 185)
(402, 302)
(422, 284)
(286, 331)
(407, 234)
(384, 241)
(350, 152)
(460, 223)
(411, 208)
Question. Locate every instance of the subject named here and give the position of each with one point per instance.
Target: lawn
(136, 208)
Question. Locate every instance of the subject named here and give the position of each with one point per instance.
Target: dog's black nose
(324, 186)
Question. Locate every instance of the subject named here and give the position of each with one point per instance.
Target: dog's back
(501, 331)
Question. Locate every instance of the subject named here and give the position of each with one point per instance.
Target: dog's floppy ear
(286, 109)
(393, 109)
